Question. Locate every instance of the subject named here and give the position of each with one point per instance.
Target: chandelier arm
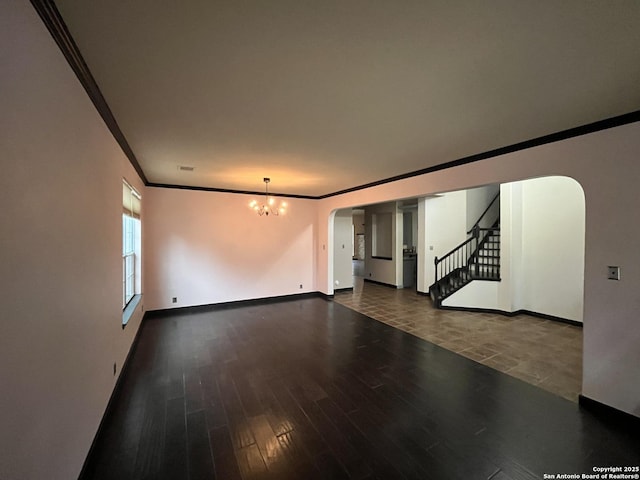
(268, 207)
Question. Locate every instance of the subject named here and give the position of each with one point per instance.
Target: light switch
(614, 273)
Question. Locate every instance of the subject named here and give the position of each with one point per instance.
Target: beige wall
(60, 257)
(388, 271)
(209, 247)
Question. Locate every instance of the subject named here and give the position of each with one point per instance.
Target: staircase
(477, 258)
(484, 264)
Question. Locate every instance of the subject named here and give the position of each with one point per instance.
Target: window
(131, 243)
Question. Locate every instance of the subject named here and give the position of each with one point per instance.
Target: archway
(542, 283)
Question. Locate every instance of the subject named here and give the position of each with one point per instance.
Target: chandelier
(268, 207)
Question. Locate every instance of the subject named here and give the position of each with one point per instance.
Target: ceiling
(329, 95)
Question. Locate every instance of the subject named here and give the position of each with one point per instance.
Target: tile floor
(545, 353)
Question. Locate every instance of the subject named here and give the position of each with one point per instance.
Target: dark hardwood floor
(309, 389)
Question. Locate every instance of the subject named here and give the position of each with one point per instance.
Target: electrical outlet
(613, 273)
(174, 300)
(300, 285)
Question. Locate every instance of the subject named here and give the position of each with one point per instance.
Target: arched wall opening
(542, 224)
(605, 164)
(541, 253)
(541, 258)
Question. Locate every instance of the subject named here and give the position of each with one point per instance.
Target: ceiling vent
(185, 168)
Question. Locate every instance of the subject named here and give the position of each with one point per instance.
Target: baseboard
(550, 317)
(381, 283)
(512, 314)
(608, 413)
(325, 296)
(114, 394)
(478, 310)
(345, 289)
(233, 304)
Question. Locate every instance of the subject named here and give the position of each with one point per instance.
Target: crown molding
(58, 29)
(55, 24)
(227, 190)
(605, 124)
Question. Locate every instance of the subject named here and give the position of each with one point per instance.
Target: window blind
(131, 200)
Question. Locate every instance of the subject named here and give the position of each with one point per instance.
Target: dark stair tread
(482, 264)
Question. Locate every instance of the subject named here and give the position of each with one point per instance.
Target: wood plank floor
(309, 389)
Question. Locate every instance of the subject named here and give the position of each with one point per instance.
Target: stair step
(482, 264)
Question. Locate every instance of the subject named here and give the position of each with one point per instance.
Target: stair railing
(458, 258)
(454, 265)
(490, 264)
(490, 215)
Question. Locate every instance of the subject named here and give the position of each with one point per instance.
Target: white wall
(60, 256)
(483, 294)
(509, 295)
(478, 199)
(342, 258)
(209, 247)
(414, 226)
(542, 252)
(445, 229)
(553, 228)
(605, 163)
(478, 294)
